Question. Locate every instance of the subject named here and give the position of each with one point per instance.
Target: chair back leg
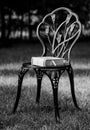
(71, 78)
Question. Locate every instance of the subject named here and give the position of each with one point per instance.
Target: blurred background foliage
(19, 19)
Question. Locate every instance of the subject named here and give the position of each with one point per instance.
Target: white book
(47, 61)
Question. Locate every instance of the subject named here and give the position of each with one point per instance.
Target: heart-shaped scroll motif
(58, 32)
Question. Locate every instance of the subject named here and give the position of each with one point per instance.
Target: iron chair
(57, 32)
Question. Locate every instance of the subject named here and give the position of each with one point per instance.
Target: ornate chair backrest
(58, 32)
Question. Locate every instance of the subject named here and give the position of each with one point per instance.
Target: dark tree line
(81, 7)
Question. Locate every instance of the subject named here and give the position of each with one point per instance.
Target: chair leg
(20, 80)
(38, 89)
(71, 78)
(39, 75)
(55, 96)
(54, 81)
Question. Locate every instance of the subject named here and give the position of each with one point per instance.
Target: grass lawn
(29, 116)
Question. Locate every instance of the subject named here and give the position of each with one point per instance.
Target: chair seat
(48, 61)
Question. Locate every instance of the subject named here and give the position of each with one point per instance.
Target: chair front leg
(71, 78)
(55, 81)
(39, 74)
(20, 80)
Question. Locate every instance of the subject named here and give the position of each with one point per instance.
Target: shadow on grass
(30, 116)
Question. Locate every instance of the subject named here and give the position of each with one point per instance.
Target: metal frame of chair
(58, 32)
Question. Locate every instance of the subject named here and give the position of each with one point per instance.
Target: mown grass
(29, 115)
